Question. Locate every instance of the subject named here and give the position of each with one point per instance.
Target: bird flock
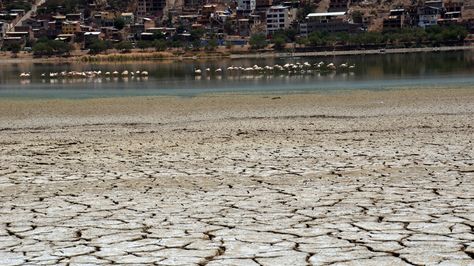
(297, 68)
(87, 74)
(288, 68)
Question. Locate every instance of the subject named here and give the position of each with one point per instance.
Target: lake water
(373, 72)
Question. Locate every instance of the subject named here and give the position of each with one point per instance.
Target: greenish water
(373, 72)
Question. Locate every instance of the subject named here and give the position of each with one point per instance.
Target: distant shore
(356, 52)
(139, 55)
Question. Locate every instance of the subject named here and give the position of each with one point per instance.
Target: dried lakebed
(277, 190)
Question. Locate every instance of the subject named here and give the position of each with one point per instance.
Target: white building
(278, 18)
(3, 29)
(428, 16)
(246, 6)
(430, 13)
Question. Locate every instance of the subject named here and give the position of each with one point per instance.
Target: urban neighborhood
(67, 27)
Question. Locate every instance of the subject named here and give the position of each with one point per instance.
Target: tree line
(409, 37)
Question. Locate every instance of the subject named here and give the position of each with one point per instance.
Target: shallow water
(372, 72)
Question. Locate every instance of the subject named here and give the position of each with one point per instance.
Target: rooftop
(278, 7)
(326, 14)
(92, 33)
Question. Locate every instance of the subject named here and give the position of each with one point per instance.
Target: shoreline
(356, 52)
(157, 56)
(178, 109)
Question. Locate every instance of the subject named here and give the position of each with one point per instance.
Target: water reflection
(371, 71)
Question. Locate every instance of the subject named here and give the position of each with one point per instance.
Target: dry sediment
(352, 179)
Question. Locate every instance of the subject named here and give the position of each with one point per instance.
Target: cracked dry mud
(276, 190)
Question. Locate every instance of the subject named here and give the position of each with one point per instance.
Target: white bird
(351, 66)
(144, 73)
(115, 72)
(125, 73)
(219, 70)
(208, 70)
(107, 73)
(137, 72)
(197, 71)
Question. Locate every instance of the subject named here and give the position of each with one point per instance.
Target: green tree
(290, 35)
(98, 46)
(144, 44)
(357, 16)
(12, 47)
(197, 34)
(196, 44)
(258, 41)
(316, 39)
(42, 48)
(160, 45)
(51, 47)
(279, 43)
(304, 10)
(119, 23)
(302, 41)
(212, 44)
(18, 5)
(124, 46)
(62, 6)
(159, 35)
